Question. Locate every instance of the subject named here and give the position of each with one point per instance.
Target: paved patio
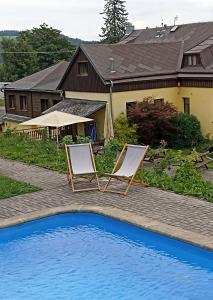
(186, 218)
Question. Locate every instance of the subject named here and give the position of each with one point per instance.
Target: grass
(2, 103)
(10, 187)
(40, 153)
(45, 154)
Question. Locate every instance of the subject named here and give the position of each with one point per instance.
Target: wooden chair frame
(71, 177)
(130, 180)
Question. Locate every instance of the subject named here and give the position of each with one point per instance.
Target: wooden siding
(144, 85)
(90, 83)
(196, 83)
(33, 102)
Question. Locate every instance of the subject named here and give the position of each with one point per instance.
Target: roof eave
(33, 90)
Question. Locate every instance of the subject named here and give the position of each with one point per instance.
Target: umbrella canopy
(108, 126)
(56, 119)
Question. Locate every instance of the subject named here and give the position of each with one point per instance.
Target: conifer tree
(115, 16)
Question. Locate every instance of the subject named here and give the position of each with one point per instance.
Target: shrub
(68, 139)
(154, 120)
(124, 132)
(105, 161)
(187, 132)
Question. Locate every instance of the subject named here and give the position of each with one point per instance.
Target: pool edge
(115, 213)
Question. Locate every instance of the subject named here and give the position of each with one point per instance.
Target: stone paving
(177, 211)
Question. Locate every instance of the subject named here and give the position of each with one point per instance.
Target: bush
(68, 140)
(187, 132)
(105, 162)
(124, 132)
(154, 120)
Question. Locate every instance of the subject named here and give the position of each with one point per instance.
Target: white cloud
(82, 18)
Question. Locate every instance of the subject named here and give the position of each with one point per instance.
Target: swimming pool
(88, 256)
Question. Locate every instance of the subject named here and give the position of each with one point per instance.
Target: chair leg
(128, 186)
(106, 186)
(72, 184)
(97, 181)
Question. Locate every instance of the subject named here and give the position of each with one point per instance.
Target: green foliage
(115, 17)
(154, 120)
(48, 39)
(68, 140)
(17, 65)
(41, 39)
(105, 162)
(186, 180)
(2, 103)
(11, 188)
(187, 133)
(125, 133)
(41, 153)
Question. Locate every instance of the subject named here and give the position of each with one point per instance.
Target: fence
(39, 134)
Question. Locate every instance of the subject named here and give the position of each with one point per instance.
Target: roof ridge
(184, 24)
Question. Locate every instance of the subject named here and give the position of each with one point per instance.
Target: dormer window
(83, 68)
(192, 60)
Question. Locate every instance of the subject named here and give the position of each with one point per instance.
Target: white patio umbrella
(56, 119)
(108, 125)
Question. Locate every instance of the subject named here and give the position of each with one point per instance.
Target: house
(172, 63)
(30, 96)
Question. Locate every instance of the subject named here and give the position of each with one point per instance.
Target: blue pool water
(77, 256)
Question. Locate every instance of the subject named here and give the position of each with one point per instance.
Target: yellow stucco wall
(201, 102)
(15, 125)
(99, 118)
(201, 105)
(120, 99)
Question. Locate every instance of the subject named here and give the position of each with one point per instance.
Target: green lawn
(10, 187)
(186, 181)
(38, 153)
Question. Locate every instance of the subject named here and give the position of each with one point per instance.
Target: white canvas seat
(133, 159)
(81, 163)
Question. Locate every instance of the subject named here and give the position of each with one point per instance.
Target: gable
(73, 81)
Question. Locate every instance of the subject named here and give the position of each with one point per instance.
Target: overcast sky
(82, 19)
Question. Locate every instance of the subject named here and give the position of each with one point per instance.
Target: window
(159, 101)
(186, 103)
(44, 104)
(192, 60)
(83, 68)
(12, 101)
(128, 106)
(23, 102)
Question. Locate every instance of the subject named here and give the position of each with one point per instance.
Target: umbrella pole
(57, 140)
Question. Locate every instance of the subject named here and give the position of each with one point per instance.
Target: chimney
(111, 65)
(129, 28)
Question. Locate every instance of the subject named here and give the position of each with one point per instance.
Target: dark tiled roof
(80, 107)
(132, 60)
(192, 35)
(16, 118)
(45, 80)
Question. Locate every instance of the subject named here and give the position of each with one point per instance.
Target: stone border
(115, 213)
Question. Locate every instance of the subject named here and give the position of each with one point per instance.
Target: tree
(17, 65)
(41, 47)
(115, 21)
(187, 131)
(49, 40)
(154, 120)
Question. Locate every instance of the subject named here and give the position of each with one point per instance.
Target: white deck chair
(132, 161)
(81, 163)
